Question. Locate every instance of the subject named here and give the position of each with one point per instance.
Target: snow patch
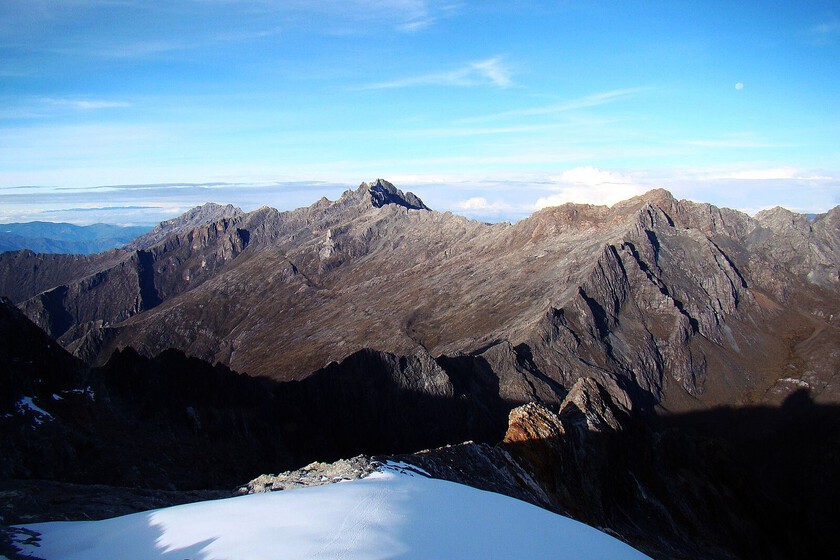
(26, 405)
(386, 515)
(87, 391)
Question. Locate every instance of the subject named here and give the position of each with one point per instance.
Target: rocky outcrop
(313, 474)
(197, 217)
(24, 274)
(568, 452)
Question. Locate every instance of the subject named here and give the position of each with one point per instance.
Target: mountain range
(660, 368)
(648, 296)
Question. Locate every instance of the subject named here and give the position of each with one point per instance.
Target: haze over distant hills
(49, 237)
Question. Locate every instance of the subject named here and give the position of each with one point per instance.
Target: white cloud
(592, 176)
(475, 203)
(590, 185)
(481, 204)
(491, 71)
(478, 207)
(129, 50)
(739, 86)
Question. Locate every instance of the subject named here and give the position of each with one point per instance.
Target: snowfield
(391, 514)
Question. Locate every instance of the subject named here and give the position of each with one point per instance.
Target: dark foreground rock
(148, 422)
(727, 483)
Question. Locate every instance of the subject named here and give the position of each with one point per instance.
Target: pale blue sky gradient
(489, 109)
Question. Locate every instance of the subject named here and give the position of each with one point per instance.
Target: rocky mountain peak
(778, 218)
(660, 198)
(382, 192)
(194, 217)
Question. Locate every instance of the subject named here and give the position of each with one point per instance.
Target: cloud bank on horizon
(488, 109)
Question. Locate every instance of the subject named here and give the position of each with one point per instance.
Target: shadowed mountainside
(148, 422)
(743, 482)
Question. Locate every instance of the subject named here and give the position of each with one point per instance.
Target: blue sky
(130, 111)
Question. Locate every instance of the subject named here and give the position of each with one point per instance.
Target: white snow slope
(387, 515)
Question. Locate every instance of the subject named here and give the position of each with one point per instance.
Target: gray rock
(313, 474)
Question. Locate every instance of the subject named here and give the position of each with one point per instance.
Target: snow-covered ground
(391, 514)
(26, 405)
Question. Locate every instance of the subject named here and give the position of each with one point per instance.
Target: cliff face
(719, 483)
(666, 303)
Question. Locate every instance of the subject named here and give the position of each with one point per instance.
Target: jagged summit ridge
(205, 214)
(382, 192)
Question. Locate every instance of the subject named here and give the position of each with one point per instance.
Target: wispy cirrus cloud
(764, 174)
(824, 33)
(84, 104)
(584, 102)
(746, 143)
(404, 16)
(407, 16)
(121, 50)
(491, 71)
(47, 107)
